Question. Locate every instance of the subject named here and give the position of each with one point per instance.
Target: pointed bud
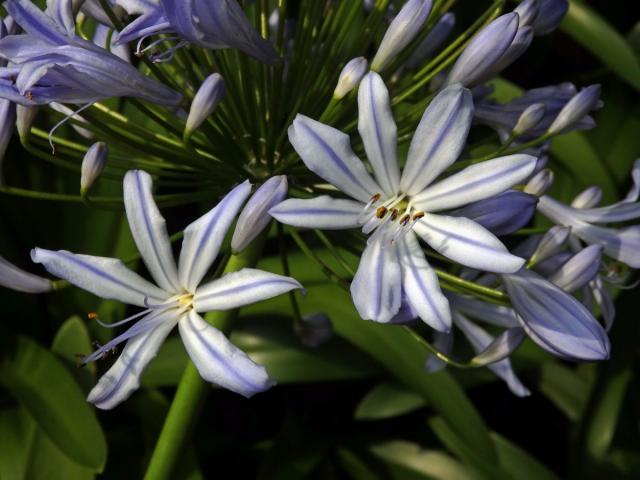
(25, 117)
(254, 217)
(315, 330)
(576, 109)
(550, 15)
(206, 100)
(403, 29)
(530, 118)
(551, 243)
(589, 198)
(579, 270)
(483, 52)
(92, 165)
(527, 12)
(350, 77)
(540, 183)
(17, 279)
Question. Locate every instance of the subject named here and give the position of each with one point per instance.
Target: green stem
(192, 389)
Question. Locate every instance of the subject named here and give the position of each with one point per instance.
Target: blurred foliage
(360, 406)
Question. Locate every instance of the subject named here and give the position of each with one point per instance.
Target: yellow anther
(394, 214)
(405, 219)
(418, 215)
(375, 198)
(381, 212)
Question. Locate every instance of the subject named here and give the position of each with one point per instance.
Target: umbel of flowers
(235, 96)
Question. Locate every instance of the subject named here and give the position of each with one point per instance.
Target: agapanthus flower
(206, 23)
(20, 280)
(51, 64)
(623, 244)
(395, 207)
(178, 298)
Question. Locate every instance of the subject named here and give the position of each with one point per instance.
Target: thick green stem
(192, 389)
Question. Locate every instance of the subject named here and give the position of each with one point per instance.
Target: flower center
(392, 217)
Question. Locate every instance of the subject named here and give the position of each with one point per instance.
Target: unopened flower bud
(588, 198)
(17, 279)
(92, 165)
(483, 52)
(25, 117)
(576, 109)
(403, 29)
(540, 183)
(206, 100)
(315, 330)
(350, 77)
(579, 270)
(552, 242)
(527, 12)
(255, 217)
(550, 14)
(530, 118)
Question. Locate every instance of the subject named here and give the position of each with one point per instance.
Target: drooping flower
(48, 65)
(177, 299)
(207, 23)
(394, 206)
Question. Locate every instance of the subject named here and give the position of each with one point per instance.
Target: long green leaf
(592, 31)
(40, 382)
(518, 463)
(388, 400)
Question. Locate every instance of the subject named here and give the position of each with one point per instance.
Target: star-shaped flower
(178, 297)
(393, 270)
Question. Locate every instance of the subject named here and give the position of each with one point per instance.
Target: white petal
(421, 286)
(202, 239)
(476, 182)
(480, 341)
(123, 378)
(149, 230)
(464, 241)
(578, 270)
(439, 138)
(379, 132)
(241, 288)
(105, 277)
(327, 152)
(17, 279)
(376, 288)
(218, 360)
(321, 212)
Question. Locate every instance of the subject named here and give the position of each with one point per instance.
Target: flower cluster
(225, 104)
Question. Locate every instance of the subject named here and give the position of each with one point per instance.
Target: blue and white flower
(178, 297)
(392, 206)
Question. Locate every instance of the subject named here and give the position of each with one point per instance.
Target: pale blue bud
(92, 165)
(588, 198)
(579, 270)
(540, 183)
(403, 29)
(206, 100)
(350, 76)
(551, 243)
(254, 217)
(576, 109)
(550, 15)
(434, 40)
(484, 51)
(527, 12)
(530, 118)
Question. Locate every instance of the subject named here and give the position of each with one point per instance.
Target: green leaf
(41, 383)
(592, 31)
(518, 463)
(355, 466)
(71, 342)
(388, 400)
(419, 463)
(16, 436)
(566, 390)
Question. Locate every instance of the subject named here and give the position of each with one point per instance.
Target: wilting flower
(623, 244)
(48, 65)
(217, 24)
(178, 298)
(394, 205)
